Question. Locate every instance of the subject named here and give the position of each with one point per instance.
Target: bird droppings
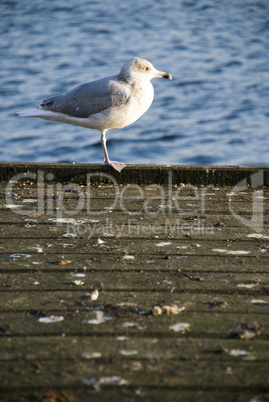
(181, 327)
(51, 319)
(93, 355)
(167, 309)
(101, 318)
(71, 235)
(99, 241)
(79, 275)
(232, 252)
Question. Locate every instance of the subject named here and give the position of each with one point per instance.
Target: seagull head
(142, 69)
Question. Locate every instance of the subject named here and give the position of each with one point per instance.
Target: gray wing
(89, 98)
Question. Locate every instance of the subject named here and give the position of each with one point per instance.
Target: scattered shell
(94, 355)
(131, 325)
(234, 252)
(122, 338)
(196, 278)
(218, 304)
(259, 302)
(236, 352)
(29, 200)
(69, 235)
(246, 331)
(78, 282)
(20, 256)
(13, 206)
(258, 236)
(128, 352)
(162, 244)
(51, 319)
(101, 318)
(79, 275)
(128, 257)
(246, 285)
(167, 309)
(63, 220)
(94, 295)
(113, 380)
(63, 262)
(182, 327)
(36, 283)
(157, 310)
(99, 241)
(248, 334)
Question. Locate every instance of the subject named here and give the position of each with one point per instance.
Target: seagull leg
(115, 165)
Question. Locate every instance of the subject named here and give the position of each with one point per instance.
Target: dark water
(215, 111)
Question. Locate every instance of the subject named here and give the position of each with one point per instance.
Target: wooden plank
(205, 247)
(131, 228)
(85, 348)
(125, 323)
(170, 374)
(138, 280)
(77, 262)
(50, 301)
(127, 394)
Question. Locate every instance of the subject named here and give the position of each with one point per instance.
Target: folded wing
(88, 99)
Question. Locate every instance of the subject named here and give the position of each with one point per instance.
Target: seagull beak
(162, 74)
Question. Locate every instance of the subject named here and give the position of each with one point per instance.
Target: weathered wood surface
(201, 249)
(141, 174)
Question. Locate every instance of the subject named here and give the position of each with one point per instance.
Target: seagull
(109, 103)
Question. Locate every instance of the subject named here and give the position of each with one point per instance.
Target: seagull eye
(146, 68)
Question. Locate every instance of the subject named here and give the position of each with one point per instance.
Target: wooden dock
(148, 285)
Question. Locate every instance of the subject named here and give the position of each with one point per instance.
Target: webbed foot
(116, 165)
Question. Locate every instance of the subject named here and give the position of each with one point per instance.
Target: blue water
(215, 111)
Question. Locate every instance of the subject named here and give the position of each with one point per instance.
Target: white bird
(109, 103)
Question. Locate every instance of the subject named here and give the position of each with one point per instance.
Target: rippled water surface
(215, 111)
